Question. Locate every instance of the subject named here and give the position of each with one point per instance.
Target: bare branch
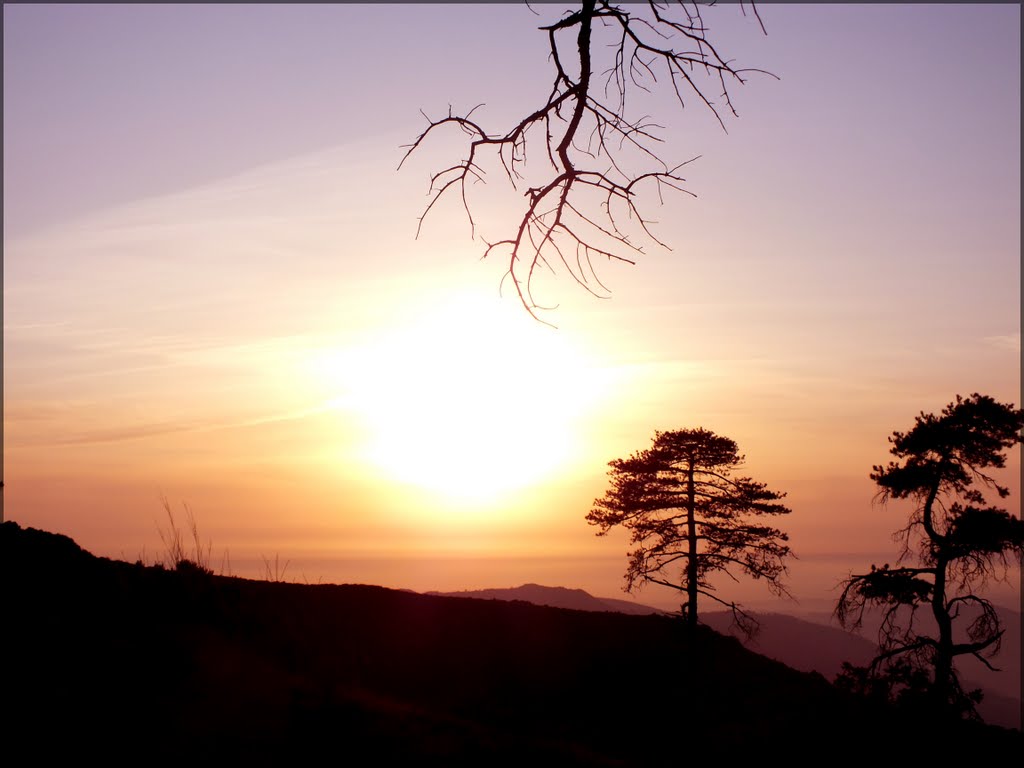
(589, 145)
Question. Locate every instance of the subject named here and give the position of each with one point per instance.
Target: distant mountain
(557, 597)
(801, 644)
(121, 663)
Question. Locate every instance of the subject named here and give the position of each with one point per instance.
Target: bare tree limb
(590, 140)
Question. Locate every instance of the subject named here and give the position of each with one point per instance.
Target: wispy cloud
(1009, 341)
(119, 434)
(103, 435)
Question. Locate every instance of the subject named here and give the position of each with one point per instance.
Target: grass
(274, 571)
(183, 547)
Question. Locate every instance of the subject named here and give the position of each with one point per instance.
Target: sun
(469, 400)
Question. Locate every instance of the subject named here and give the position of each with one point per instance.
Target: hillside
(126, 663)
(808, 646)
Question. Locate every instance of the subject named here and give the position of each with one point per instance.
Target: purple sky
(203, 226)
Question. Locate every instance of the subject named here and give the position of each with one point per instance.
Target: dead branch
(589, 141)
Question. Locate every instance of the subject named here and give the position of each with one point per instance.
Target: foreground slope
(130, 663)
(808, 646)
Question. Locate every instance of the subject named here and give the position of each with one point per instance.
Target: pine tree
(955, 539)
(685, 509)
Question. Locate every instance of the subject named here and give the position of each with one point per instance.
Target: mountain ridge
(556, 597)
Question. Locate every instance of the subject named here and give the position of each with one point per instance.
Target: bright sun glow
(471, 400)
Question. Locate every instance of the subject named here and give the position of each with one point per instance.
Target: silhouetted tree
(958, 541)
(684, 507)
(598, 159)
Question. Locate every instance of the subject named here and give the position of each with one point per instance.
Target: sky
(215, 296)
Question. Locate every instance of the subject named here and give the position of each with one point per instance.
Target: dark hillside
(140, 664)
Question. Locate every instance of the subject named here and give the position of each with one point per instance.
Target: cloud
(157, 429)
(118, 434)
(1009, 341)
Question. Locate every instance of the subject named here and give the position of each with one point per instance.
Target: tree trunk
(942, 685)
(691, 539)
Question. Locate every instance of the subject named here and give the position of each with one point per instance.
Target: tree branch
(594, 147)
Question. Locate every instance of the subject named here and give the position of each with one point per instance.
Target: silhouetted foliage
(684, 508)
(957, 541)
(905, 685)
(586, 201)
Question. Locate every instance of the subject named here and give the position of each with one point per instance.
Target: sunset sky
(214, 292)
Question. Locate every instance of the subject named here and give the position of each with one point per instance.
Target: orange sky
(269, 344)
